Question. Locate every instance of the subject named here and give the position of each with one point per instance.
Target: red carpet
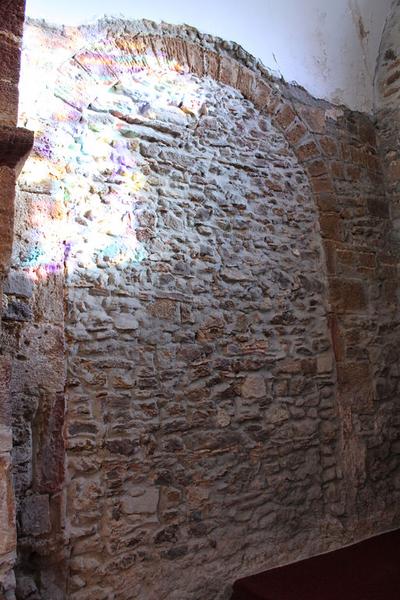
(369, 570)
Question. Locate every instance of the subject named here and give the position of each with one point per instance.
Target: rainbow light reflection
(89, 174)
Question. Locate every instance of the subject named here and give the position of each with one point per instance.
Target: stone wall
(387, 107)
(362, 265)
(196, 318)
(214, 251)
(14, 146)
(33, 329)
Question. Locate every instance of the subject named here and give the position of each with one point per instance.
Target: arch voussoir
(196, 56)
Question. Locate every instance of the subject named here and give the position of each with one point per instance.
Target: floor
(369, 570)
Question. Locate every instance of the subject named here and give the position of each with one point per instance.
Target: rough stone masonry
(15, 144)
(201, 317)
(200, 372)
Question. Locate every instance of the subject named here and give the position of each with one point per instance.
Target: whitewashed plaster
(329, 47)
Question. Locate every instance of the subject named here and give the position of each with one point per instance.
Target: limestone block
(254, 386)
(5, 438)
(125, 322)
(35, 515)
(141, 501)
(7, 512)
(18, 284)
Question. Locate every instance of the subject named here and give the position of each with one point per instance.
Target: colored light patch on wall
(93, 168)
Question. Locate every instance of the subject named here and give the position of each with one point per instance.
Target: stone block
(307, 151)
(378, 207)
(262, 94)
(50, 458)
(5, 378)
(322, 185)
(354, 379)
(353, 173)
(165, 309)
(346, 257)
(175, 553)
(5, 438)
(17, 310)
(7, 187)
(15, 145)
(7, 511)
(8, 103)
(315, 118)
(277, 414)
(35, 515)
(125, 447)
(26, 588)
(329, 146)
(296, 133)
(18, 284)
(330, 256)
(285, 117)
(348, 295)
(337, 169)
(175, 50)
(143, 502)
(327, 202)
(246, 81)
(195, 54)
(325, 363)
(10, 60)
(210, 330)
(254, 386)
(125, 322)
(211, 64)
(393, 171)
(228, 71)
(367, 132)
(367, 259)
(331, 227)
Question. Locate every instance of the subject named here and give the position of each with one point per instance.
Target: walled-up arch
(193, 424)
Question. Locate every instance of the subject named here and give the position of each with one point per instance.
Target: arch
(138, 47)
(117, 50)
(332, 158)
(111, 57)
